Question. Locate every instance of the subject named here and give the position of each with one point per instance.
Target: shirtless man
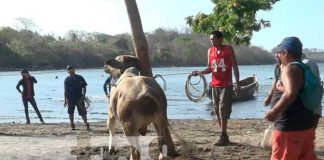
(293, 137)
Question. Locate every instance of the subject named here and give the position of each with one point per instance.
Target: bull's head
(117, 66)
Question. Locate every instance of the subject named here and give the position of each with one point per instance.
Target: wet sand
(193, 139)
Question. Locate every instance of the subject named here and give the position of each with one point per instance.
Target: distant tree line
(28, 49)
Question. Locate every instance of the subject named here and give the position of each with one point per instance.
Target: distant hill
(315, 54)
(28, 49)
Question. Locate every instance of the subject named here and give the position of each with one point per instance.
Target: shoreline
(193, 139)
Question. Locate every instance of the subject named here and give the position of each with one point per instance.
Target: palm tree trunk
(138, 37)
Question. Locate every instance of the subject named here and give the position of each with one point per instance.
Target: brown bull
(136, 101)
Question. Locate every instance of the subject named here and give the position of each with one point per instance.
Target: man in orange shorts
(293, 137)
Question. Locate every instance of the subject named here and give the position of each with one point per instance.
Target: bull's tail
(187, 145)
(163, 123)
(161, 103)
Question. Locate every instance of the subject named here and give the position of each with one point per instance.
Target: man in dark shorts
(74, 95)
(27, 94)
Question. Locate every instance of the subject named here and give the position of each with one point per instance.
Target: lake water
(49, 95)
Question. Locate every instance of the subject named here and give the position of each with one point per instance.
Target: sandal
(72, 126)
(222, 141)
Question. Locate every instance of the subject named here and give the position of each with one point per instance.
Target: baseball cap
(291, 44)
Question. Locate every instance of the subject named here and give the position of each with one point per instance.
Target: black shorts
(80, 106)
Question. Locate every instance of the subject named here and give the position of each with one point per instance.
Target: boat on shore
(248, 87)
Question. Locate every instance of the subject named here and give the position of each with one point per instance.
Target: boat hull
(248, 87)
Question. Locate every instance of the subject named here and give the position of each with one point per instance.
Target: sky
(300, 18)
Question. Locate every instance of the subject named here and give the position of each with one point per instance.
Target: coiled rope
(87, 103)
(189, 84)
(164, 82)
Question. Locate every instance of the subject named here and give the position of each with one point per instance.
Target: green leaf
(236, 17)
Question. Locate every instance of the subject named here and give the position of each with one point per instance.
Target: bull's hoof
(179, 157)
(112, 151)
(161, 157)
(176, 155)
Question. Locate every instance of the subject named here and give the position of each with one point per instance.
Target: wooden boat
(248, 87)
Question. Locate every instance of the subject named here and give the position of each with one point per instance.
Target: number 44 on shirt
(220, 65)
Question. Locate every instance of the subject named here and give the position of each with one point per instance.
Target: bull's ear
(114, 63)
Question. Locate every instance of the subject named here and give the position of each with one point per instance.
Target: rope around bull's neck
(192, 97)
(164, 82)
(188, 84)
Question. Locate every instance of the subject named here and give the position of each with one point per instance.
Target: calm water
(49, 95)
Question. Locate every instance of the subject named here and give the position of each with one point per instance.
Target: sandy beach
(193, 139)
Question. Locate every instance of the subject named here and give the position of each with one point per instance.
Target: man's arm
(65, 92)
(18, 86)
(84, 90)
(105, 85)
(207, 70)
(292, 80)
(234, 63)
(267, 100)
(34, 79)
(235, 69)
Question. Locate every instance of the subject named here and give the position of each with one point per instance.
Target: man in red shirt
(27, 94)
(221, 61)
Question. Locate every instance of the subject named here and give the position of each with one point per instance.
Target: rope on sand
(189, 84)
